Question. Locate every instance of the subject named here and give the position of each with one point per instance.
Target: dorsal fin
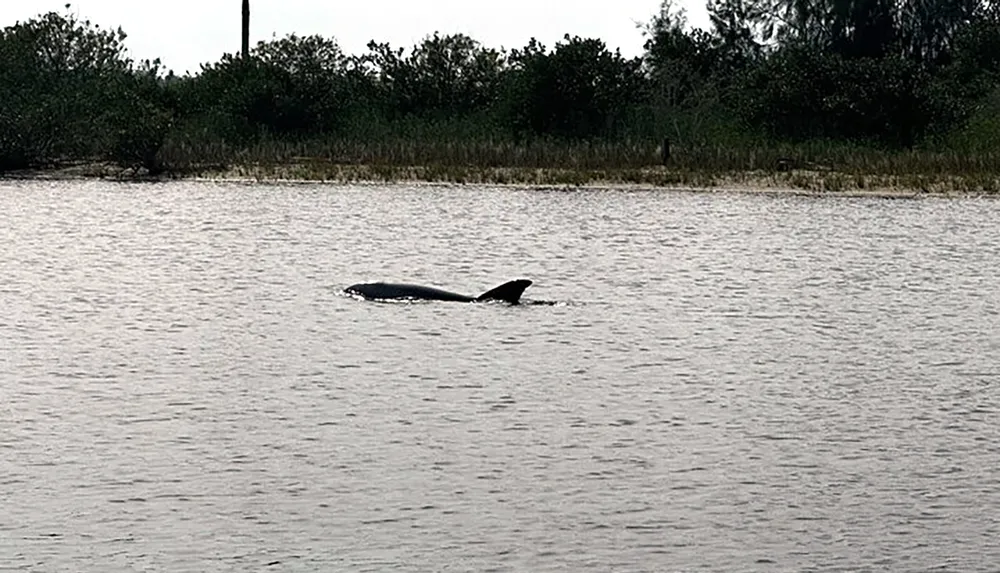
(508, 292)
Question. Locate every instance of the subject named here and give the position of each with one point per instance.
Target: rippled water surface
(727, 382)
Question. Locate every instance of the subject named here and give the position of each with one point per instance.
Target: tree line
(884, 73)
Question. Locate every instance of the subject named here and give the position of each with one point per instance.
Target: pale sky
(186, 33)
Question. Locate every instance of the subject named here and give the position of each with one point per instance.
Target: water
(727, 382)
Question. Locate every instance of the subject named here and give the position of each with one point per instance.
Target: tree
(54, 71)
(293, 87)
(443, 76)
(579, 90)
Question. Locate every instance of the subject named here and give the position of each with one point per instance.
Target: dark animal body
(508, 292)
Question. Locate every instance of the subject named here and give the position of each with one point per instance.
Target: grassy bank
(817, 167)
(809, 180)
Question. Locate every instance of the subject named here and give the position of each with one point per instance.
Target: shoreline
(804, 182)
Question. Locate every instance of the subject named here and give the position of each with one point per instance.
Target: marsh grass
(818, 166)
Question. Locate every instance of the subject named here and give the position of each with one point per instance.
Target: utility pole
(246, 29)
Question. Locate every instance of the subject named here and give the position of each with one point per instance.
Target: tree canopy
(892, 73)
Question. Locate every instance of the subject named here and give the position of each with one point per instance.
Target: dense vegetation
(833, 82)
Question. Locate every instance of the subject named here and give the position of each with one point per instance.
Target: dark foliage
(579, 90)
(890, 74)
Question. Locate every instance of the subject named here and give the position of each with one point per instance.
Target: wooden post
(665, 151)
(246, 29)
